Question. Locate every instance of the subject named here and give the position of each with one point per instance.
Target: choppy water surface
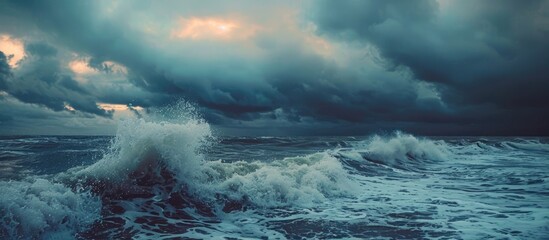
(163, 180)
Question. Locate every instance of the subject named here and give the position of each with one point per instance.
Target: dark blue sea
(165, 180)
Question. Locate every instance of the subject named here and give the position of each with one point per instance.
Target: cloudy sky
(467, 67)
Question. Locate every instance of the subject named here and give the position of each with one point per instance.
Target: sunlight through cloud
(13, 48)
(212, 28)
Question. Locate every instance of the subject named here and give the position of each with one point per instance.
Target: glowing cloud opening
(83, 71)
(118, 107)
(212, 28)
(69, 108)
(13, 49)
(81, 67)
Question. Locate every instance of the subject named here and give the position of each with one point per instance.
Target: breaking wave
(399, 150)
(42, 209)
(162, 150)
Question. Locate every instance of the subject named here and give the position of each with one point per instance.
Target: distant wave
(399, 150)
(484, 146)
(534, 145)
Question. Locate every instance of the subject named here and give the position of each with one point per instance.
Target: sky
(353, 67)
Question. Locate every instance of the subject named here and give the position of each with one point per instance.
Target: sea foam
(40, 209)
(399, 150)
(149, 147)
(301, 180)
(140, 143)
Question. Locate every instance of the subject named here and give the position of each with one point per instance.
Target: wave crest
(163, 153)
(139, 144)
(290, 181)
(399, 150)
(405, 146)
(40, 209)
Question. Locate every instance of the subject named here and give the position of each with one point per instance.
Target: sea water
(159, 179)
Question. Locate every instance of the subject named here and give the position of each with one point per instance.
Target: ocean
(172, 180)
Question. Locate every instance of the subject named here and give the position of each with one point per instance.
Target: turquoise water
(158, 180)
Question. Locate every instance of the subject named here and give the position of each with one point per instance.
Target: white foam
(400, 147)
(141, 144)
(42, 209)
(291, 181)
(140, 141)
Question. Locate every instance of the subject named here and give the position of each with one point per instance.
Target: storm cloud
(39, 80)
(319, 67)
(488, 59)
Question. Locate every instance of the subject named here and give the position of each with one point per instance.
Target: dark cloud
(39, 79)
(4, 71)
(483, 56)
(291, 77)
(469, 67)
(18, 118)
(41, 50)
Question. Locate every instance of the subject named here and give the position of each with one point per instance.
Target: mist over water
(167, 175)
